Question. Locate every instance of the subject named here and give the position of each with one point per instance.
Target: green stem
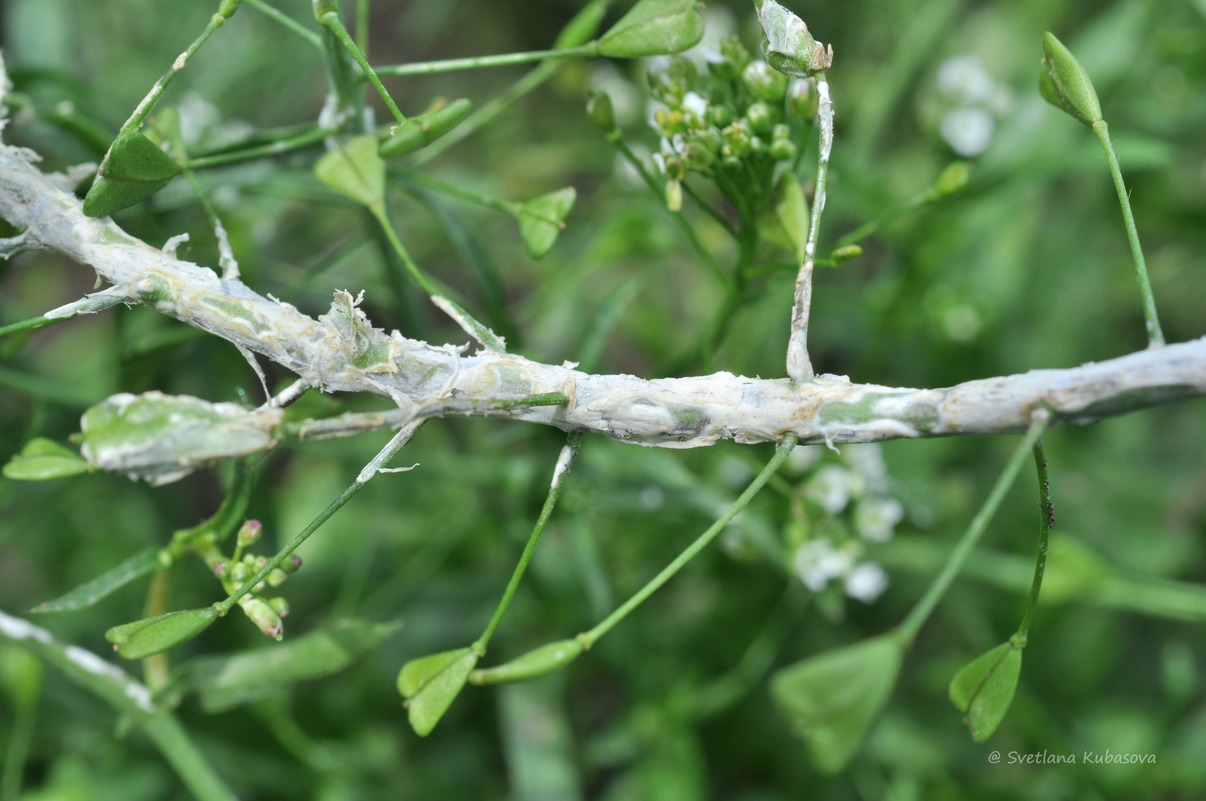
(453, 190)
(1046, 520)
(331, 20)
(295, 142)
(916, 618)
(564, 463)
(478, 62)
(32, 324)
(379, 461)
(783, 450)
(288, 22)
(1155, 336)
(161, 85)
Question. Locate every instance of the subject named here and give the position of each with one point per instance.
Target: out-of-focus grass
(1027, 267)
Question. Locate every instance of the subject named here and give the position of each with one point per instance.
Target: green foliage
(134, 169)
(983, 689)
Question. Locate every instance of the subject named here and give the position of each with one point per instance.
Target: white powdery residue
(180, 61)
(170, 246)
(564, 460)
(17, 629)
(93, 664)
(825, 112)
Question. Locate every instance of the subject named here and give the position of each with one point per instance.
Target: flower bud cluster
(844, 507)
(734, 122)
(267, 613)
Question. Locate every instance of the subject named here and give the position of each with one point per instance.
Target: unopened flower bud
(280, 606)
(277, 577)
(761, 118)
(249, 533)
(291, 564)
(602, 114)
(763, 82)
(264, 617)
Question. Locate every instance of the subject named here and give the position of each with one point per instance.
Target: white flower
(866, 582)
(965, 80)
(693, 103)
(830, 488)
(968, 130)
(817, 561)
(876, 516)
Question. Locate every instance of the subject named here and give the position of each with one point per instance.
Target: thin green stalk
(564, 463)
(783, 450)
(377, 463)
(479, 62)
(161, 85)
(1046, 520)
(31, 324)
(916, 618)
(295, 142)
(331, 20)
(453, 190)
(288, 22)
(1155, 336)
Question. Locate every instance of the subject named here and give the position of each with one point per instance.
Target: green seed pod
(422, 130)
(1065, 84)
(153, 635)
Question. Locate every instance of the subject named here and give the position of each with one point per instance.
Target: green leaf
(984, 688)
(1065, 84)
(534, 664)
(654, 28)
(45, 460)
(152, 635)
(423, 129)
(833, 698)
(579, 30)
(228, 681)
(134, 169)
(354, 170)
(87, 594)
(542, 219)
(787, 44)
(431, 683)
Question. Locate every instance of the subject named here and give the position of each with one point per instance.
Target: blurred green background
(1028, 267)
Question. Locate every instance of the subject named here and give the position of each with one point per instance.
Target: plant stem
(1046, 520)
(565, 463)
(477, 62)
(452, 190)
(161, 85)
(371, 469)
(799, 367)
(916, 618)
(1155, 336)
(332, 22)
(291, 24)
(295, 142)
(782, 451)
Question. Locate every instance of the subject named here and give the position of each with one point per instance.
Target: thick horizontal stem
(341, 351)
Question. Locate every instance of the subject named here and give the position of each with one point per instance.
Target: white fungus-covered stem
(341, 351)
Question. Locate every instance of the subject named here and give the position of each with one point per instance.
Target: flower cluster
(267, 613)
(732, 123)
(842, 507)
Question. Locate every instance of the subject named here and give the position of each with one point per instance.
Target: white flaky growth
(342, 351)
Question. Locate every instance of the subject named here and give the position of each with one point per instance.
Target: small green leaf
(542, 219)
(87, 594)
(787, 44)
(354, 170)
(431, 683)
(423, 129)
(534, 664)
(45, 460)
(654, 28)
(983, 689)
(152, 635)
(1065, 84)
(134, 169)
(580, 29)
(833, 698)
